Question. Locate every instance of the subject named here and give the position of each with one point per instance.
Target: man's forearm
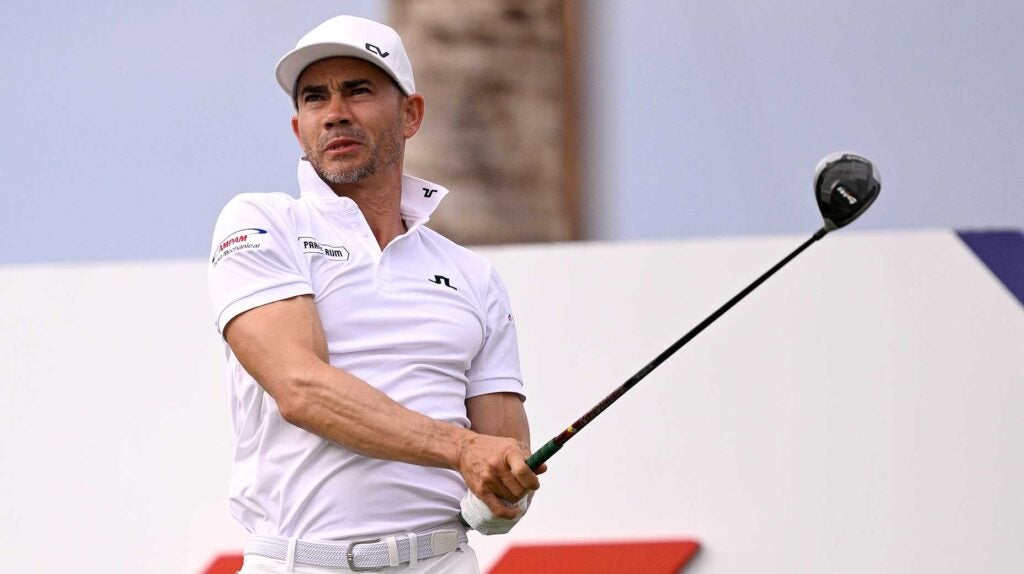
(499, 414)
(342, 408)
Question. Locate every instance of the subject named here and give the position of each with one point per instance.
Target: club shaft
(554, 445)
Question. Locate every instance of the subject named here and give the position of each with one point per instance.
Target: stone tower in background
(499, 129)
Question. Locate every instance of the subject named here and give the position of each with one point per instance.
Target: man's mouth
(340, 146)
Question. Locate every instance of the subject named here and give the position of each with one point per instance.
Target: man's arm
(503, 415)
(282, 345)
(499, 414)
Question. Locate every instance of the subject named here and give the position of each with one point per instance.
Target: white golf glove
(481, 519)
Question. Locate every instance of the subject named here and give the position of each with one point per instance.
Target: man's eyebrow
(349, 84)
(319, 89)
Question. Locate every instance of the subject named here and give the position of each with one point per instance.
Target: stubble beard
(385, 153)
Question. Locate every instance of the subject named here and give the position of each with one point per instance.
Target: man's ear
(412, 113)
(295, 127)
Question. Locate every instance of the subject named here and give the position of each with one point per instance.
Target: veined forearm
(340, 407)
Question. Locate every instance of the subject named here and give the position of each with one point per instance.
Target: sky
(130, 124)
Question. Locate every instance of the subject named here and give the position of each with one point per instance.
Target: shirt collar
(419, 197)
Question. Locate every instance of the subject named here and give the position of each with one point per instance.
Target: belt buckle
(350, 556)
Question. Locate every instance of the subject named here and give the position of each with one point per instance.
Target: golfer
(373, 366)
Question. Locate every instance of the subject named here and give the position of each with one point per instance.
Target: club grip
(543, 454)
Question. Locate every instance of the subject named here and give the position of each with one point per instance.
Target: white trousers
(461, 561)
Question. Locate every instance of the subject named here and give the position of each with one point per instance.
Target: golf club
(845, 185)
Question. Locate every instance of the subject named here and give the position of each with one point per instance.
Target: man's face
(351, 119)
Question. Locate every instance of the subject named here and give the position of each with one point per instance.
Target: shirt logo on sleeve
(240, 240)
(332, 252)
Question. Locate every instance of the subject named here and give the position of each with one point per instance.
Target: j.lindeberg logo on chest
(442, 280)
(332, 252)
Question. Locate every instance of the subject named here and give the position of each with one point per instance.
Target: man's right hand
(495, 470)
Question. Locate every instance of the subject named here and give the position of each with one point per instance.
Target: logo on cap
(377, 50)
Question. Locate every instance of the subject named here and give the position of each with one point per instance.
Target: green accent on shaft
(541, 456)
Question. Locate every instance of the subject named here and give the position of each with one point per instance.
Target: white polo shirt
(425, 321)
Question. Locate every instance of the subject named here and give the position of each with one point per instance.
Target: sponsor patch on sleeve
(248, 238)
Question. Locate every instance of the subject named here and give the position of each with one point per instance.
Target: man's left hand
(480, 518)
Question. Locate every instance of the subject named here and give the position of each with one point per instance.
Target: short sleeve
(253, 258)
(495, 369)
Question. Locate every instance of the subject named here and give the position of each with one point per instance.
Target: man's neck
(379, 198)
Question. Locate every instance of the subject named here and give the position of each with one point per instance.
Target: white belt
(363, 555)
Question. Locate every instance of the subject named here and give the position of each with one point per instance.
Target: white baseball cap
(353, 37)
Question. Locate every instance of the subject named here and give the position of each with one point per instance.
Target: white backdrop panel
(859, 412)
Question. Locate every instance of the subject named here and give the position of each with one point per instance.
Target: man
(373, 364)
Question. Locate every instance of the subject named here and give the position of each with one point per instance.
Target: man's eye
(360, 91)
(312, 97)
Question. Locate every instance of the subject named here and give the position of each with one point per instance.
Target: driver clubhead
(845, 185)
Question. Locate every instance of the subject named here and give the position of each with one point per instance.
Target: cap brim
(293, 63)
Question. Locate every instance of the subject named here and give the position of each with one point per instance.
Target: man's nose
(338, 113)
